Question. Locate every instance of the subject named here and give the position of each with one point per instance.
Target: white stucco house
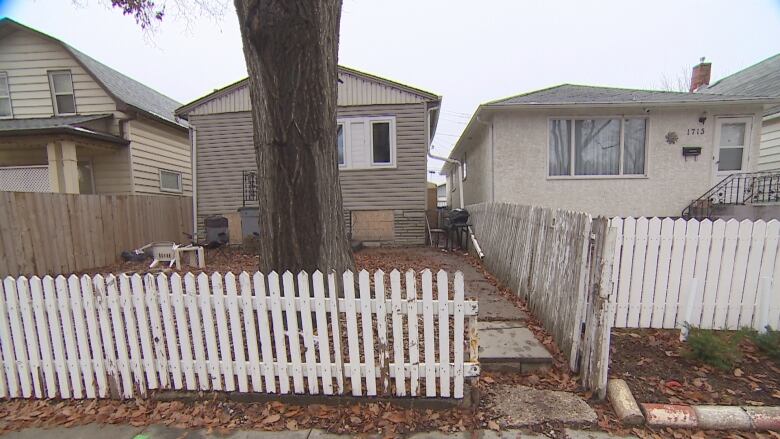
(605, 151)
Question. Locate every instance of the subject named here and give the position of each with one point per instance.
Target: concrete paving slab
(521, 406)
(586, 434)
(163, 432)
(509, 434)
(505, 345)
(89, 431)
(492, 305)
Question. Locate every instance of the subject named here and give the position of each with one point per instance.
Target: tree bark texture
(291, 50)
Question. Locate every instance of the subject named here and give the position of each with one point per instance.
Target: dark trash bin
(216, 230)
(250, 221)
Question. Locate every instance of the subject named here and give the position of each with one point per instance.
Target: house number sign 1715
(695, 131)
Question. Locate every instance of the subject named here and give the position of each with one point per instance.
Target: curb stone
(623, 402)
(714, 417)
(764, 418)
(706, 417)
(670, 415)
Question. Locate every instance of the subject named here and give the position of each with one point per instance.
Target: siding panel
(352, 91)
(27, 58)
(769, 157)
(226, 148)
(154, 147)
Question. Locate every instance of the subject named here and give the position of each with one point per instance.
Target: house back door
(732, 143)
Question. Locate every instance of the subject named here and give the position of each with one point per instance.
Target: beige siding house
(384, 130)
(73, 125)
(605, 151)
(761, 79)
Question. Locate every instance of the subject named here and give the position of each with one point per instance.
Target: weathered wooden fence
(545, 256)
(45, 233)
(656, 262)
(120, 336)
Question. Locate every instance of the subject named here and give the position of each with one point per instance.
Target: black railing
(249, 188)
(736, 189)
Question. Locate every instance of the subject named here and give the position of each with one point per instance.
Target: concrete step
(510, 346)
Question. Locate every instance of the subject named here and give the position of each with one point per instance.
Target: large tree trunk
(291, 50)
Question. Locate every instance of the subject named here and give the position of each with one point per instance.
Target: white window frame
(344, 165)
(572, 147)
(368, 123)
(10, 101)
(392, 134)
(178, 174)
(54, 93)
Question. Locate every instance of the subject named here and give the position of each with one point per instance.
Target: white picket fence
(122, 336)
(656, 262)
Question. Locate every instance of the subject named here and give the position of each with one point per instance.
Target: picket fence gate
(659, 263)
(122, 336)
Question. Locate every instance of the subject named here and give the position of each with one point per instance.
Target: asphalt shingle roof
(128, 90)
(760, 79)
(570, 94)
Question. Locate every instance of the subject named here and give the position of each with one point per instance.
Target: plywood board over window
(373, 225)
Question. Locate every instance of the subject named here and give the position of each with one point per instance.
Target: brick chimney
(700, 77)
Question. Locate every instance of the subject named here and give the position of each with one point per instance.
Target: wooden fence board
(121, 337)
(727, 258)
(45, 233)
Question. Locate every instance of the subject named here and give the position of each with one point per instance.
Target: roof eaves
(414, 90)
(66, 129)
(184, 110)
(428, 96)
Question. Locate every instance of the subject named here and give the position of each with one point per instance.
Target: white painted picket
(656, 261)
(122, 336)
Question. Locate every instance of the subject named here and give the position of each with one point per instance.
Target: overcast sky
(467, 51)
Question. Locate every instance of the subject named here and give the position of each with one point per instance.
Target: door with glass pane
(732, 142)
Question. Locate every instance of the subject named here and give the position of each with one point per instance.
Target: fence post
(692, 293)
(765, 291)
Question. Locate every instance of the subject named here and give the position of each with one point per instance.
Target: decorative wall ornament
(672, 137)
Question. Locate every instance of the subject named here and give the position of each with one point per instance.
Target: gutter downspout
(194, 164)
(460, 190)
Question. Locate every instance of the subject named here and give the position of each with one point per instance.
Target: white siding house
(71, 124)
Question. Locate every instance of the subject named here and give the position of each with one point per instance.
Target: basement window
(61, 84)
(170, 181)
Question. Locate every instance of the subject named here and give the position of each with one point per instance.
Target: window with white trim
(5, 96)
(597, 147)
(170, 181)
(61, 83)
(340, 141)
(366, 142)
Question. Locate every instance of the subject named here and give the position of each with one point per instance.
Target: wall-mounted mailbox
(691, 151)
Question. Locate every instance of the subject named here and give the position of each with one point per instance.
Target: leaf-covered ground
(653, 363)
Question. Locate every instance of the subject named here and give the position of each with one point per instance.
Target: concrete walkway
(492, 305)
(504, 341)
(99, 431)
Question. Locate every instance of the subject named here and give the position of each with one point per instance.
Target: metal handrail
(736, 189)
